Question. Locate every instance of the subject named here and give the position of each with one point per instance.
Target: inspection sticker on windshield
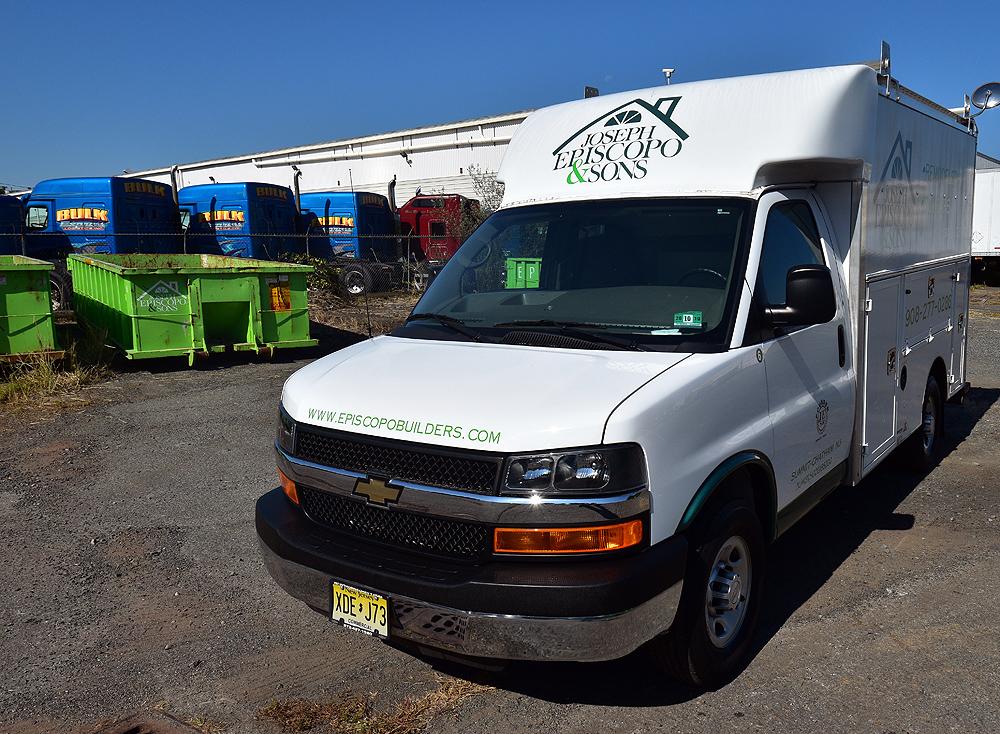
(688, 319)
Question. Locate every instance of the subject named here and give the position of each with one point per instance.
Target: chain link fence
(366, 284)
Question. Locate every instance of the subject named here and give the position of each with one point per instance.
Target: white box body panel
(986, 214)
(914, 272)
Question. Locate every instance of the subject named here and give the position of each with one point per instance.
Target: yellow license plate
(360, 610)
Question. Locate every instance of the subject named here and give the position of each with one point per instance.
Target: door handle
(841, 347)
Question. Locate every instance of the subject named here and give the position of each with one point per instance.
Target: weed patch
(49, 382)
(355, 714)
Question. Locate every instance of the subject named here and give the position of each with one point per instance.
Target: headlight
(604, 469)
(286, 431)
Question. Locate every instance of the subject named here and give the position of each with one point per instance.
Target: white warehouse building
(434, 159)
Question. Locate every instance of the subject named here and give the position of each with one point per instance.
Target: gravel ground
(132, 585)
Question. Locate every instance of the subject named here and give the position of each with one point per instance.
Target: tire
(922, 449)
(61, 288)
(421, 276)
(712, 634)
(356, 279)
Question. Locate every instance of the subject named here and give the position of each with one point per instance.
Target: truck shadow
(801, 562)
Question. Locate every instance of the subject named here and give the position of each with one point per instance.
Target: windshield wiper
(578, 329)
(450, 321)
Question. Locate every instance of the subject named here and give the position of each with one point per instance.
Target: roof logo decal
(620, 143)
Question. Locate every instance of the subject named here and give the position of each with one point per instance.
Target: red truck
(435, 225)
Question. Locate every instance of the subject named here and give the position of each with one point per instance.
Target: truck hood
(470, 395)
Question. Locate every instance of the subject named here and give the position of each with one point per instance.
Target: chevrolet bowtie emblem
(376, 491)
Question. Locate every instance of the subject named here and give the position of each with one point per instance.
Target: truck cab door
(437, 240)
(40, 229)
(187, 218)
(810, 385)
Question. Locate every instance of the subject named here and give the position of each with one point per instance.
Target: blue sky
(94, 88)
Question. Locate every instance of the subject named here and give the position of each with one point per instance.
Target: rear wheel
(712, 633)
(923, 447)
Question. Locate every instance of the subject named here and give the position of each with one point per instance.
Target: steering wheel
(697, 271)
(482, 256)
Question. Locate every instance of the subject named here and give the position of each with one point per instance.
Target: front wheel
(420, 276)
(356, 279)
(712, 633)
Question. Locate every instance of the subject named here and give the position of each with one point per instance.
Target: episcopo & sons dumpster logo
(622, 143)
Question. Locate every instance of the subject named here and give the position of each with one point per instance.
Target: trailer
(246, 219)
(986, 223)
(729, 298)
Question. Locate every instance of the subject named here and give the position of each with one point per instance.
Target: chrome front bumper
(507, 637)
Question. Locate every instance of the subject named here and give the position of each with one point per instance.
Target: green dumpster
(182, 305)
(25, 308)
(523, 272)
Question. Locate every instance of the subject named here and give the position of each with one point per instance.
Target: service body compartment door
(928, 326)
(963, 273)
(881, 369)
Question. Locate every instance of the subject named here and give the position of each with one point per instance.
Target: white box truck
(700, 309)
(986, 222)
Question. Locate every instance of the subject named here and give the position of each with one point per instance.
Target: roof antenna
(885, 65)
(667, 73)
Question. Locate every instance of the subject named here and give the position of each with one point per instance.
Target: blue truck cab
(246, 219)
(352, 224)
(100, 215)
(11, 222)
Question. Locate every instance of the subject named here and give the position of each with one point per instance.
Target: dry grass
(50, 383)
(205, 725)
(355, 714)
(388, 310)
(344, 714)
(414, 715)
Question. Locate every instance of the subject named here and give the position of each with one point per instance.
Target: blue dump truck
(255, 220)
(357, 226)
(11, 222)
(99, 215)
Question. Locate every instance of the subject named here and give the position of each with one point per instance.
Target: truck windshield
(654, 270)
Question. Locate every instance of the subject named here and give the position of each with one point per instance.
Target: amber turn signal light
(568, 540)
(288, 487)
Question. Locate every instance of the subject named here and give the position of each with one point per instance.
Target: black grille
(396, 527)
(393, 461)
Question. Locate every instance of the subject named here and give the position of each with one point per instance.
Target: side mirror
(809, 297)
